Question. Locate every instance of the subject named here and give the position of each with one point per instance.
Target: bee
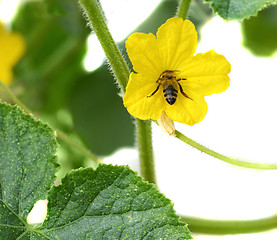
(170, 86)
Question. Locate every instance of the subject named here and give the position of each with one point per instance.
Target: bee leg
(154, 91)
(181, 79)
(182, 91)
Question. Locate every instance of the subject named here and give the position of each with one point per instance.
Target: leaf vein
(99, 216)
(17, 215)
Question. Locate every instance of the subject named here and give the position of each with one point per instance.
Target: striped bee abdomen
(170, 94)
(170, 85)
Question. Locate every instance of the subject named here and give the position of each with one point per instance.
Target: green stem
(212, 153)
(60, 134)
(120, 69)
(183, 9)
(99, 26)
(144, 140)
(218, 227)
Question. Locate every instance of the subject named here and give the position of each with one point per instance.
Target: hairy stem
(183, 9)
(219, 227)
(99, 26)
(120, 69)
(144, 140)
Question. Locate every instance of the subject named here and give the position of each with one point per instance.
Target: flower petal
(136, 100)
(12, 47)
(6, 74)
(187, 111)
(177, 40)
(206, 73)
(143, 52)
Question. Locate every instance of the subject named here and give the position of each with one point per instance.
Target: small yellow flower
(168, 78)
(12, 47)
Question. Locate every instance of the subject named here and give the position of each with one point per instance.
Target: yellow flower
(168, 78)
(12, 47)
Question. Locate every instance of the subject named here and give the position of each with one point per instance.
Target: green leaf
(260, 32)
(111, 202)
(238, 9)
(27, 167)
